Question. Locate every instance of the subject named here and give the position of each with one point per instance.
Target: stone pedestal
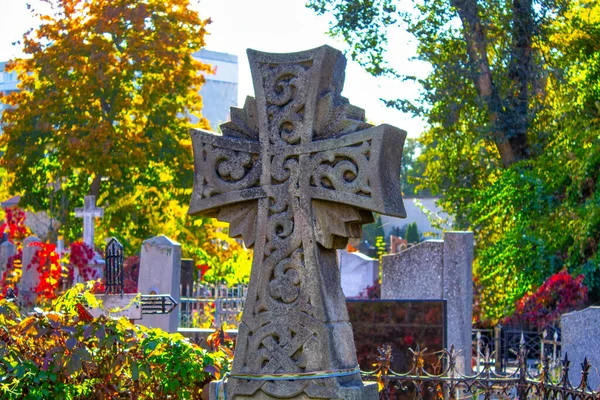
(437, 270)
(366, 392)
(30, 278)
(160, 273)
(580, 338)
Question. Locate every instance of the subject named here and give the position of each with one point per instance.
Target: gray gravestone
(437, 270)
(580, 338)
(30, 277)
(296, 173)
(160, 273)
(358, 271)
(7, 250)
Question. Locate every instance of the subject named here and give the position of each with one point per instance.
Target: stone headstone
(89, 213)
(160, 273)
(358, 271)
(580, 338)
(30, 277)
(296, 173)
(7, 250)
(434, 270)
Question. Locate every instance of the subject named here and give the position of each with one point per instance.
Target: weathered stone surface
(580, 338)
(89, 213)
(368, 391)
(295, 175)
(30, 277)
(7, 249)
(433, 270)
(160, 273)
(357, 272)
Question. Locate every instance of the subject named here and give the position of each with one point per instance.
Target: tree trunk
(521, 74)
(95, 186)
(482, 78)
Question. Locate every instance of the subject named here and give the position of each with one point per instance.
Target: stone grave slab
(434, 270)
(7, 250)
(160, 272)
(30, 277)
(580, 339)
(358, 271)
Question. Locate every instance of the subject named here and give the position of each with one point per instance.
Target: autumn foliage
(67, 354)
(107, 89)
(559, 294)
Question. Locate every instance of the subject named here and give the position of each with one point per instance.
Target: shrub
(559, 294)
(65, 353)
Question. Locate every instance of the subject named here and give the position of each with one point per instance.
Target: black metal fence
(442, 380)
(505, 342)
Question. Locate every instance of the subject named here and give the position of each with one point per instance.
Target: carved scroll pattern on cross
(312, 146)
(230, 170)
(342, 169)
(283, 261)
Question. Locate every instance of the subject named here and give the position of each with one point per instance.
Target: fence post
(542, 343)
(554, 359)
(217, 306)
(498, 348)
(478, 351)
(522, 385)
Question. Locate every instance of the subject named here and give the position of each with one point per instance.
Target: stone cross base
(366, 392)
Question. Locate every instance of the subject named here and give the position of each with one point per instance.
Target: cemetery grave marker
(7, 250)
(296, 173)
(358, 271)
(30, 277)
(89, 213)
(160, 272)
(437, 269)
(126, 304)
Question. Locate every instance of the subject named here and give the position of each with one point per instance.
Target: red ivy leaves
(80, 257)
(15, 223)
(131, 269)
(203, 269)
(559, 294)
(47, 262)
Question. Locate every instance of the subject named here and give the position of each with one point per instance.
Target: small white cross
(89, 213)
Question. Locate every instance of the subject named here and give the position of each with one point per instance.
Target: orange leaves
(106, 92)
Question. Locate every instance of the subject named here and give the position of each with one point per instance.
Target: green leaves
(100, 356)
(507, 77)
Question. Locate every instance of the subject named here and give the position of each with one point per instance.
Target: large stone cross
(89, 213)
(296, 173)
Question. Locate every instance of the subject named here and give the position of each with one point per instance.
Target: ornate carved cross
(296, 173)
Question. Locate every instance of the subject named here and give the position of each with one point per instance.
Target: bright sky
(272, 26)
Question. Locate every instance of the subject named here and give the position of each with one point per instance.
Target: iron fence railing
(442, 380)
(505, 342)
(211, 305)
